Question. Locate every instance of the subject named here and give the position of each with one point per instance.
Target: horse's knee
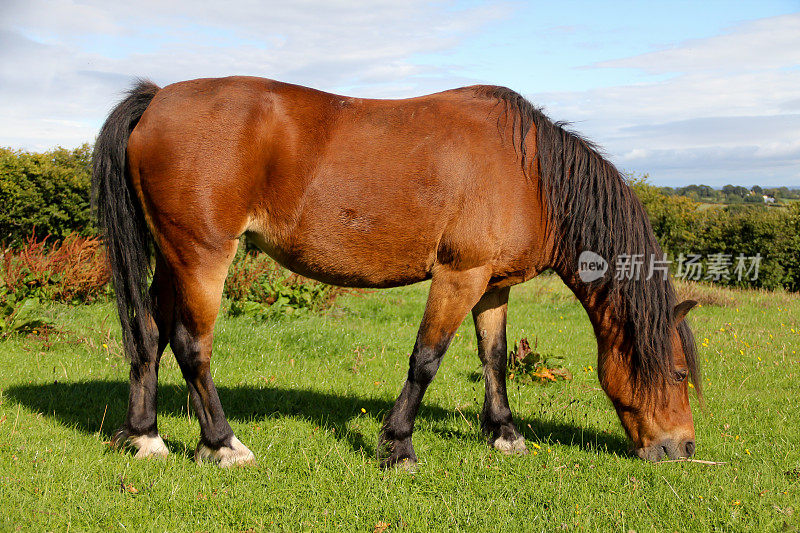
(191, 350)
(424, 365)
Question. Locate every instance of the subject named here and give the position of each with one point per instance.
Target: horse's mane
(592, 208)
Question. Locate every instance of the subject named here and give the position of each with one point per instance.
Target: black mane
(592, 208)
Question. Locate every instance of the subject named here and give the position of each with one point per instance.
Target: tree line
(733, 194)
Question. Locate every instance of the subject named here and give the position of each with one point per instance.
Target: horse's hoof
(237, 454)
(397, 453)
(509, 447)
(406, 464)
(144, 445)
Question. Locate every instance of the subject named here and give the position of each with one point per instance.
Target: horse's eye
(681, 375)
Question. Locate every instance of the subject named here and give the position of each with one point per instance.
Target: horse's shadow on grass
(99, 407)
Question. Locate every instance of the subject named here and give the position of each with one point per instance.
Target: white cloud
(66, 61)
(768, 43)
(725, 114)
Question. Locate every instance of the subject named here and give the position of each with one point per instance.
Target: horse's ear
(681, 309)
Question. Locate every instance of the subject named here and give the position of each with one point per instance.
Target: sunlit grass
(307, 395)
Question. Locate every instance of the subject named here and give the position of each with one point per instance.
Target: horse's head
(656, 414)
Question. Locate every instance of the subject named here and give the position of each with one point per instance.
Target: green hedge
(47, 191)
(683, 227)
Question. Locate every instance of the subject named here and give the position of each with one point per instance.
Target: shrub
(44, 194)
(71, 271)
(791, 258)
(531, 366)
(750, 231)
(22, 316)
(672, 217)
(258, 285)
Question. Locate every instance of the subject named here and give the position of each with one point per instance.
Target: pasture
(307, 394)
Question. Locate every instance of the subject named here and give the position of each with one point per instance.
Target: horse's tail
(127, 238)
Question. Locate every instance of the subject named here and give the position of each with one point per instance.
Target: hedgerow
(44, 194)
(683, 227)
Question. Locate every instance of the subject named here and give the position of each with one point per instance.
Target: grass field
(307, 395)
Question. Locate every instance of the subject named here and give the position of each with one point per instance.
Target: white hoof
(236, 454)
(515, 447)
(145, 446)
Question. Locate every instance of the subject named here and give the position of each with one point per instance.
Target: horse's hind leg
(490, 327)
(452, 295)
(140, 429)
(198, 294)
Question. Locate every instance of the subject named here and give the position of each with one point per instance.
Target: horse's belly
(352, 258)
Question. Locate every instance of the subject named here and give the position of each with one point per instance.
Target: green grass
(294, 390)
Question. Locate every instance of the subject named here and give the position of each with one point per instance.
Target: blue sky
(688, 92)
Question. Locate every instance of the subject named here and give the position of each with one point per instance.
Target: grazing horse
(472, 188)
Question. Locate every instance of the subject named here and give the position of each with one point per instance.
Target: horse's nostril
(690, 446)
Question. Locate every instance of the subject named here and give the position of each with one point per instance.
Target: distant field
(307, 395)
(702, 206)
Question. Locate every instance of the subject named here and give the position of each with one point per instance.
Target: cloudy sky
(688, 92)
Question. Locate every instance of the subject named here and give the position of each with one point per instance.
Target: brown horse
(473, 188)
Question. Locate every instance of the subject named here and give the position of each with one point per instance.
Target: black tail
(127, 238)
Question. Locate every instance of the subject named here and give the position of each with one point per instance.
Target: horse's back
(347, 190)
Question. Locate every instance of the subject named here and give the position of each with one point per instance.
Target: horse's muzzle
(669, 448)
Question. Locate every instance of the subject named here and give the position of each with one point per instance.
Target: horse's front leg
(490, 327)
(452, 295)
